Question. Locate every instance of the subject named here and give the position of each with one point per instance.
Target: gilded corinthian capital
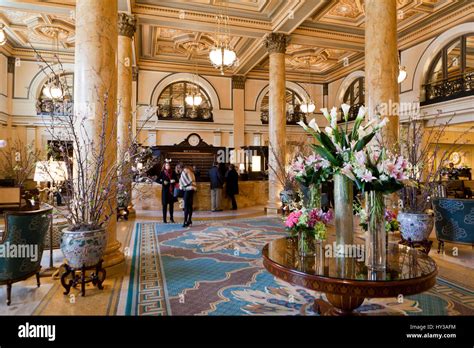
(127, 24)
(276, 42)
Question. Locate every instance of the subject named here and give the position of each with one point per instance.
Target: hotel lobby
(236, 158)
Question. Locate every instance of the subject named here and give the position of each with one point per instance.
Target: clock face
(194, 140)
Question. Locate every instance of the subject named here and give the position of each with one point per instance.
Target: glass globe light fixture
(402, 74)
(47, 91)
(3, 36)
(308, 107)
(215, 56)
(56, 91)
(222, 56)
(193, 99)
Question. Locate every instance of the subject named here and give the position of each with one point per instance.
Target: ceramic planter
(415, 227)
(83, 248)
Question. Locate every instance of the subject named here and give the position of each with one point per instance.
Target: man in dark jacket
(232, 185)
(217, 182)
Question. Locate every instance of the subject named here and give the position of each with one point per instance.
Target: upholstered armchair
(454, 220)
(21, 246)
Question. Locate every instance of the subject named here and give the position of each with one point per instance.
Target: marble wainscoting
(252, 193)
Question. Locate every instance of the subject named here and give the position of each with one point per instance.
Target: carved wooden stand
(424, 245)
(96, 278)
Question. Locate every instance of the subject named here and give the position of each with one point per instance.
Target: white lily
(302, 124)
(361, 113)
(314, 125)
(383, 123)
(326, 114)
(328, 131)
(345, 109)
(333, 117)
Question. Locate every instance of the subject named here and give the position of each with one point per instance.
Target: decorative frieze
(276, 42)
(11, 65)
(127, 24)
(238, 82)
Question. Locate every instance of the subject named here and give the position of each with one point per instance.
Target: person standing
(187, 183)
(232, 185)
(217, 182)
(167, 179)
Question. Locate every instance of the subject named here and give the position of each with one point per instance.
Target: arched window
(184, 101)
(451, 74)
(355, 97)
(293, 113)
(46, 104)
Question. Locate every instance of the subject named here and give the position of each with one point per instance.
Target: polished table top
(405, 266)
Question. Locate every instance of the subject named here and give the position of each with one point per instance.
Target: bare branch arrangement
(93, 180)
(422, 147)
(283, 176)
(17, 161)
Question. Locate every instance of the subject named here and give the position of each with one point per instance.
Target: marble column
(275, 44)
(238, 85)
(126, 30)
(381, 65)
(10, 76)
(95, 76)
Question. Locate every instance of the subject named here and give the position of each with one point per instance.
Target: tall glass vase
(376, 237)
(315, 196)
(343, 199)
(306, 244)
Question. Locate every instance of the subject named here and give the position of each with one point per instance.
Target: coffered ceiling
(327, 36)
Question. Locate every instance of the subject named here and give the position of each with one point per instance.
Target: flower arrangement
(337, 144)
(376, 169)
(309, 223)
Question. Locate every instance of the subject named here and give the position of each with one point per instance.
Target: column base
(113, 256)
(273, 209)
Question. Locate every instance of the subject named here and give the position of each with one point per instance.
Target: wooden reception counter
(252, 193)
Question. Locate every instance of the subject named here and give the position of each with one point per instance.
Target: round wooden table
(346, 280)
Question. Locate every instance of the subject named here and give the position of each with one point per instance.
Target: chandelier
(53, 88)
(308, 106)
(3, 36)
(222, 54)
(194, 98)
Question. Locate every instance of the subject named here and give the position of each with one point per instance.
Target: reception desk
(252, 193)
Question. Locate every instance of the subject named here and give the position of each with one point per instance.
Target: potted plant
(422, 147)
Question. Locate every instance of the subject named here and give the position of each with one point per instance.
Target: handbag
(177, 193)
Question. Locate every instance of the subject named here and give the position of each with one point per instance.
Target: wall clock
(194, 139)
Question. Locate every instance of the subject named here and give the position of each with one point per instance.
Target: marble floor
(50, 300)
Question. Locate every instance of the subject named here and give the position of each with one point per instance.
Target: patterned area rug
(216, 269)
